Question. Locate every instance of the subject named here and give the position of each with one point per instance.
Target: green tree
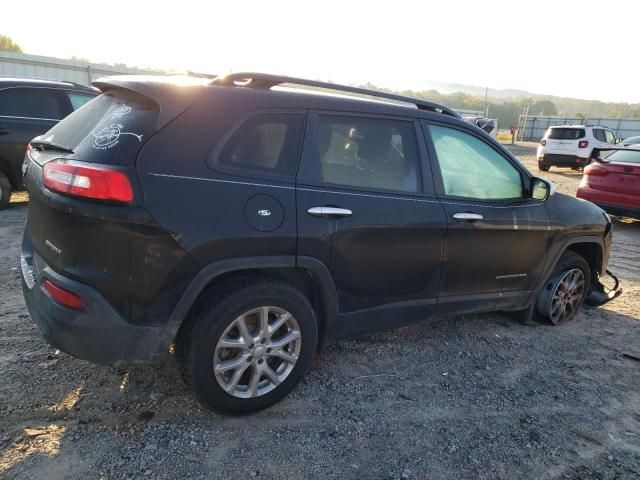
(8, 45)
(547, 107)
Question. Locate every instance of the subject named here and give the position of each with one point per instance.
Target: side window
(599, 134)
(267, 143)
(32, 102)
(78, 99)
(473, 169)
(368, 152)
(610, 137)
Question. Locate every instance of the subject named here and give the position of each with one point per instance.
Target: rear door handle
(467, 216)
(4, 132)
(329, 212)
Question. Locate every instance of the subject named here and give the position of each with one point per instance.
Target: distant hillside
(507, 105)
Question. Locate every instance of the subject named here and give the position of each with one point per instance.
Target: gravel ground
(480, 396)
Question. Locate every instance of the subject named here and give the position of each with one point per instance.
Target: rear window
(565, 133)
(627, 156)
(108, 129)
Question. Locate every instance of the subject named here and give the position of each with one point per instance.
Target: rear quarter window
(566, 133)
(109, 129)
(266, 144)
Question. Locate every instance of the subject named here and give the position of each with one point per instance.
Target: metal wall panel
(533, 127)
(49, 68)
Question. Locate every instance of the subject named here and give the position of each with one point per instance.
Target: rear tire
(543, 168)
(236, 363)
(5, 190)
(566, 289)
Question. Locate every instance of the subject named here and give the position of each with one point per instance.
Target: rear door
(25, 113)
(496, 239)
(367, 211)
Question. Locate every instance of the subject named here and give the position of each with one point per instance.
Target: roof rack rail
(266, 81)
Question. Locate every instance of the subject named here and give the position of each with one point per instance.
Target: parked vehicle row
(29, 108)
(249, 225)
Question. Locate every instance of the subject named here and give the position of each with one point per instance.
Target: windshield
(627, 156)
(108, 129)
(565, 133)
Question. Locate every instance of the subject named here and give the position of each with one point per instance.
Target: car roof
(39, 82)
(571, 126)
(174, 93)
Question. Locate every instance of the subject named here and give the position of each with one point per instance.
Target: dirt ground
(480, 396)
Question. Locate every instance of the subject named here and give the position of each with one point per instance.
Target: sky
(581, 49)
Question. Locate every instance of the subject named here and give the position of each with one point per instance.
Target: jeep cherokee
(245, 223)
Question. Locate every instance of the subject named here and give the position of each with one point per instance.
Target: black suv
(246, 223)
(28, 108)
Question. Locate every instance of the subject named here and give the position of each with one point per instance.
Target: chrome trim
(467, 216)
(329, 211)
(32, 118)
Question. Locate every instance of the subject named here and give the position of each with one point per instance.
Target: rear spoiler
(172, 94)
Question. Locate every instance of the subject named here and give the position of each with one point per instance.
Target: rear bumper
(562, 160)
(612, 203)
(97, 333)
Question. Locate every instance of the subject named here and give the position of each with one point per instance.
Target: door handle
(472, 217)
(329, 212)
(4, 132)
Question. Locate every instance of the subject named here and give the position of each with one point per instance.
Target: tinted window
(565, 133)
(267, 143)
(599, 134)
(628, 156)
(32, 102)
(471, 168)
(368, 152)
(110, 129)
(78, 99)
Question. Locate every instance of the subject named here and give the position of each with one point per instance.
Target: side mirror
(542, 189)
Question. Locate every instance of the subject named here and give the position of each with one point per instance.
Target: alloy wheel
(566, 295)
(257, 352)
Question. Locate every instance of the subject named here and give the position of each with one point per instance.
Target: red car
(612, 181)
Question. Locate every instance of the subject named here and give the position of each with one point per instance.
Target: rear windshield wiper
(48, 145)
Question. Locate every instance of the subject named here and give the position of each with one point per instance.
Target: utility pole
(486, 102)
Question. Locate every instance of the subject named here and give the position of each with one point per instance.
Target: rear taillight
(63, 297)
(543, 142)
(88, 181)
(583, 143)
(595, 170)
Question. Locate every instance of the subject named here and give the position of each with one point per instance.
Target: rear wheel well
(302, 279)
(592, 253)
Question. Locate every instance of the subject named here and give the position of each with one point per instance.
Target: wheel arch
(307, 274)
(590, 247)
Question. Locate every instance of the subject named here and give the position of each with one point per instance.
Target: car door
(367, 211)
(25, 113)
(496, 239)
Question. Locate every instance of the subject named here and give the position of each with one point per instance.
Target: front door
(496, 239)
(368, 213)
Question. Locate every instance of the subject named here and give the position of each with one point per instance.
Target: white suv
(571, 145)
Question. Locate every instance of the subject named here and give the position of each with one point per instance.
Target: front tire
(5, 190)
(566, 289)
(247, 348)
(543, 168)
